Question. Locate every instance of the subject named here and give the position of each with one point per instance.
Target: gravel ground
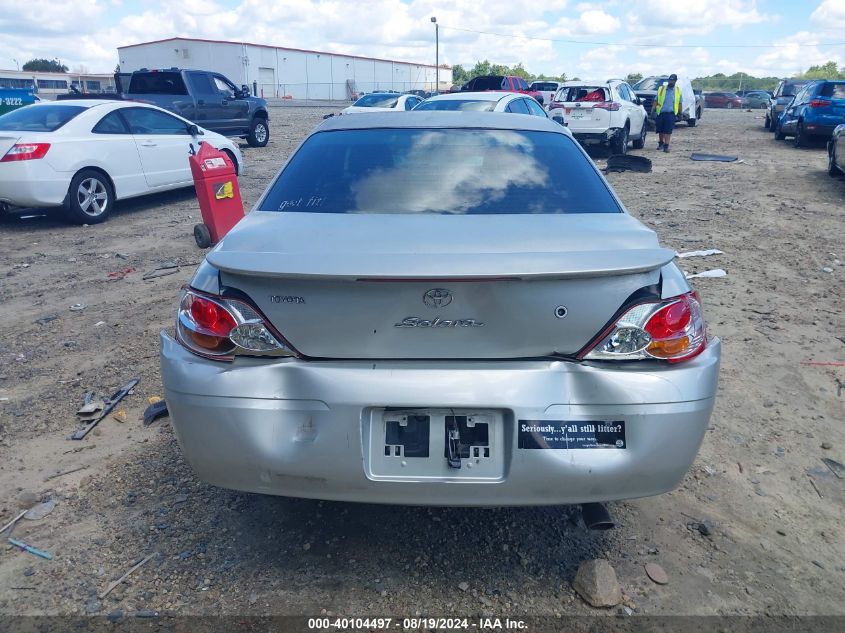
(773, 542)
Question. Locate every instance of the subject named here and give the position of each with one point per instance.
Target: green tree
(45, 65)
(633, 78)
(825, 71)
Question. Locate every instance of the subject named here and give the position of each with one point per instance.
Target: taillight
(222, 328)
(607, 105)
(671, 330)
(25, 151)
(820, 103)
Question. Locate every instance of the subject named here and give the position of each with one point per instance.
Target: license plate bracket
(435, 444)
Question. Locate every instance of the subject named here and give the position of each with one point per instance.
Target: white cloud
(658, 18)
(830, 14)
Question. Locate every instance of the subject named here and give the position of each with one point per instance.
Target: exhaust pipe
(596, 517)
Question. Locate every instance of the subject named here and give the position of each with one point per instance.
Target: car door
(209, 102)
(636, 113)
(115, 150)
(791, 112)
(163, 143)
(234, 109)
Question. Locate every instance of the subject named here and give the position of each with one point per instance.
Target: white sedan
(491, 101)
(86, 154)
(383, 102)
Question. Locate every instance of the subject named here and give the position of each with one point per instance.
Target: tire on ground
(90, 197)
(619, 144)
(259, 132)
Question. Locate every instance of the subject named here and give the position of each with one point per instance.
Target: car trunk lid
(427, 286)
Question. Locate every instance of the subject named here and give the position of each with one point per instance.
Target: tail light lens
(613, 106)
(671, 330)
(820, 103)
(25, 151)
(222, 328)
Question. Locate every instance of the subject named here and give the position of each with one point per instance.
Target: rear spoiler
(405, 266)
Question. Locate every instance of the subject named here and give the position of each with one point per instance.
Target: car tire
(259, 132)
(202, 236)
(90, 197)
(800, 139)
(832, 169)
(619, 145)
(639, 143)
(779, 135)
(691, 122)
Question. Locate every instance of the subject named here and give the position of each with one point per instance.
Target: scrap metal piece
(110, 404)
(835, 467)
(155, 411)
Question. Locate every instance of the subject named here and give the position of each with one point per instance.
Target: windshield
(39, 118)
(457, 104)
(377, 101)
(649, 83)
(493, 82)
(440, 171)
(791, 89)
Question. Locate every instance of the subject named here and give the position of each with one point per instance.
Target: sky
(691, 37)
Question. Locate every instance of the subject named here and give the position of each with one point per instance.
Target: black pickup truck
(208, 99)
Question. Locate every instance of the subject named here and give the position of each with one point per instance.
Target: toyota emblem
(437, 298)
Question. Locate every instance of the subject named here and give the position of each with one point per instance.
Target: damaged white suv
(602, 112)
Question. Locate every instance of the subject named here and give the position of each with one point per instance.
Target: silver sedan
(425, 308)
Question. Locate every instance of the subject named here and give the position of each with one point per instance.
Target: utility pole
(436, 55)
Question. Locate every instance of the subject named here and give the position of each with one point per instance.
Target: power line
(565, 41)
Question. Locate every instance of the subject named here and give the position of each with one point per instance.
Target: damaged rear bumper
(316, 429)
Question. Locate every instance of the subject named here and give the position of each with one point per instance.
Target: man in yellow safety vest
(667, 106)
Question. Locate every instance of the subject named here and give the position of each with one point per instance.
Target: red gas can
(218, 194)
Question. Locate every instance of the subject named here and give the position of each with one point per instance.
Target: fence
(336, 91)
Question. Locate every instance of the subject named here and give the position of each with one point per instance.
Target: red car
(722, 100)
(501, 83)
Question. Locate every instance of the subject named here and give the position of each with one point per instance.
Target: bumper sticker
(551, 434)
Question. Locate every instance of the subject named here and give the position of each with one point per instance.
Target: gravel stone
(596, 582)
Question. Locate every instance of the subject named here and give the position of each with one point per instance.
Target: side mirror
(194, 130)
(639, 101)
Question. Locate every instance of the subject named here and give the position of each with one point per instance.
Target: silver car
(440, 309)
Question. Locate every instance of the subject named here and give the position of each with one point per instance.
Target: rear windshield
(39, 118)
(167, 83)
(493, 82)
(583, 93)
(457, 104)
(440, 171)
(544, 85)
(377, 101)
(833, 90)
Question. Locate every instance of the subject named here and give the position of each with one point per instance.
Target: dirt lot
(776, 542)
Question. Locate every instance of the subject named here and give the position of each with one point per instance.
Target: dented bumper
(305, 429)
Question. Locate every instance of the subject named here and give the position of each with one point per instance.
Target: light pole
(16, 63)
(436, 55)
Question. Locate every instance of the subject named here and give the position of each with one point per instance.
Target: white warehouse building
(286, 73)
